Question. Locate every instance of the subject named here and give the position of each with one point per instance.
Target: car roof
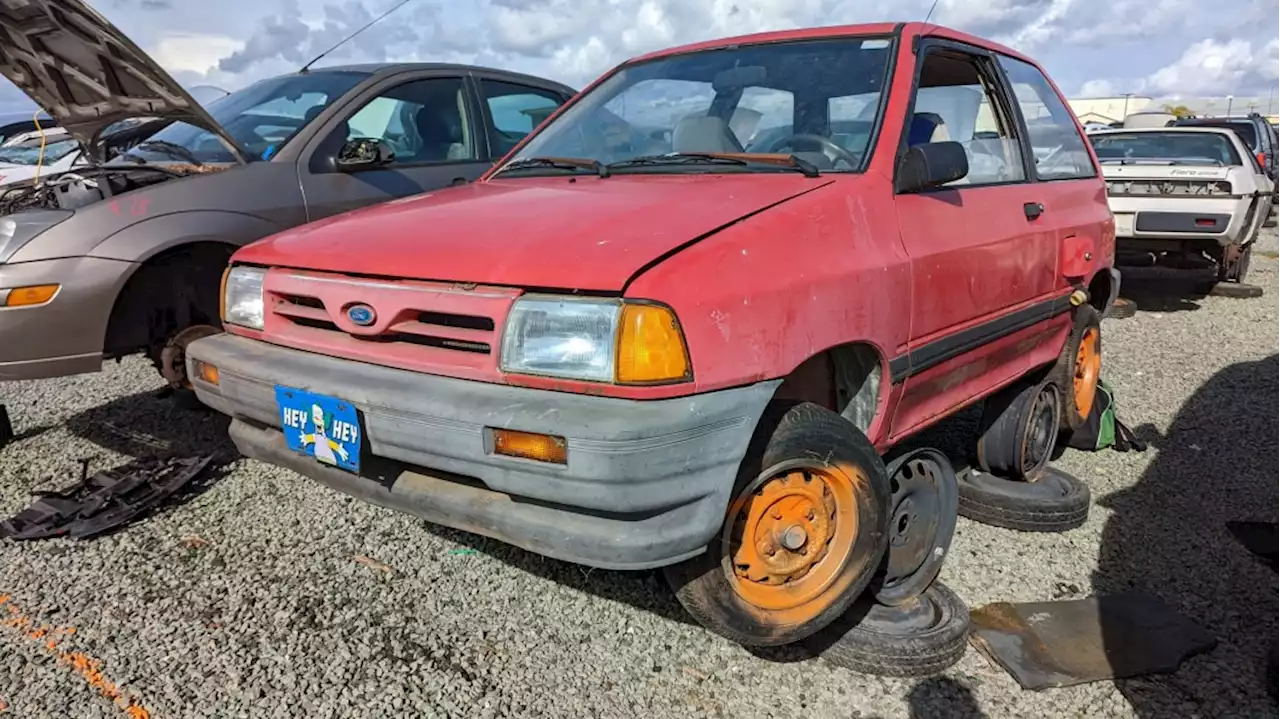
(1171, 128)
(909, 30)
(391, 68)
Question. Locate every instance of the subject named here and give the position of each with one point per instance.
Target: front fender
(147, 238)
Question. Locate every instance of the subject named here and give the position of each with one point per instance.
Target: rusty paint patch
(89, 669)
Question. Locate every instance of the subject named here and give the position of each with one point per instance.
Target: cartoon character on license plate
(321, 446)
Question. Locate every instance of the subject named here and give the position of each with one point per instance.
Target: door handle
(458, 181)
(1032, 210)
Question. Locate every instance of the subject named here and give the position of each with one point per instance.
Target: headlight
(620, 341)
(242, 297)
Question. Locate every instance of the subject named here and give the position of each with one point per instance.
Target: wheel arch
(849, 378)
(169, 275)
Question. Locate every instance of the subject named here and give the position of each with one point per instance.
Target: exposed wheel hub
(173, 358)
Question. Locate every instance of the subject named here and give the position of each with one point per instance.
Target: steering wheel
(829, 148)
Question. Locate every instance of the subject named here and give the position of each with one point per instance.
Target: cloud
(1151, 46)
(1210, 65)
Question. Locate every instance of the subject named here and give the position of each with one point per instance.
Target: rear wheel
(1078, 368)
(802, 537)
(1235, 265)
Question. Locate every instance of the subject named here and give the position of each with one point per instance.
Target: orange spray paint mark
(87, 667)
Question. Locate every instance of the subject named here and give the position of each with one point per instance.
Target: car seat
(927, 127)
(441, 136)
(704, 133)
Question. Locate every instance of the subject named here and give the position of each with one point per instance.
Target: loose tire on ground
(922, 522)
(920, 638)
(1078, 368)
(1121, 309)
(1056, 502)
(1019, 429)
(804, 532)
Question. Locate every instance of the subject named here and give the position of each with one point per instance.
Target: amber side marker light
(530, 445)
(651, 347)
(206, 372)
(28, 296)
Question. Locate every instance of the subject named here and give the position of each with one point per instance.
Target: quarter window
(516, 110)
(1055, 140)
(957, 100)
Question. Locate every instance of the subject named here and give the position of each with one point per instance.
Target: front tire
(804, 533)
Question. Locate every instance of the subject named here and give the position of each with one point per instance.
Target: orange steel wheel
(791, 535)
(1088, 366)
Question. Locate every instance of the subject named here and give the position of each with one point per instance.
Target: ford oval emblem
(362, 315)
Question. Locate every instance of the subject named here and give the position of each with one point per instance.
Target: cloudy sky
(1160, 48)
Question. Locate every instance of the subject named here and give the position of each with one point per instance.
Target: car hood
(586, 234)
(85, 73)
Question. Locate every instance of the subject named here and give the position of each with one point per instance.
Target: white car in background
(1194, 191)
(24, 159)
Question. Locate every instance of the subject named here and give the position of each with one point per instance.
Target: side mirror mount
(931, 164)
(364, 153)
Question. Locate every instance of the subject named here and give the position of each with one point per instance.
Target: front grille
(426, 328)
(1175, 188)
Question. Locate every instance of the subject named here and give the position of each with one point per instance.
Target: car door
(983, 257)
(431, 124)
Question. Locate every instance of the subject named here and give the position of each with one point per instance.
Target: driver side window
(958, 100)
(424, 121)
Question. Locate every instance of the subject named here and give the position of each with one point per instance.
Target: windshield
(1177, 146)
(1245, 130)
(818, 100)
(28, 152)
(261, 117)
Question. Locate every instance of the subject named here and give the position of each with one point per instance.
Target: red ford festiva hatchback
(680, 323)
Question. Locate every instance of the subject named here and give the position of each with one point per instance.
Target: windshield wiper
(561, 163)
(172, 149)
(790, 162)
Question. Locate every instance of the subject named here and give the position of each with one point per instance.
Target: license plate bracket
(320, 426)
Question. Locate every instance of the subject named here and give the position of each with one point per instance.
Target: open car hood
(86, 74)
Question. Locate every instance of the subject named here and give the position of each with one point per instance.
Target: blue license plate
(320, 426)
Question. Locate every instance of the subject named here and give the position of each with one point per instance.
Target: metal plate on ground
(1060, 644)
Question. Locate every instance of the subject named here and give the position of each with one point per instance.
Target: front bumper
(646, 483)
(64, 335)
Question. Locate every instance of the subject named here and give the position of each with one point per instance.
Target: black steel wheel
(922, 521)
(1019, 430)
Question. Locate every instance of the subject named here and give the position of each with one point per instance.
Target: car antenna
(932, 7)
(347, 39)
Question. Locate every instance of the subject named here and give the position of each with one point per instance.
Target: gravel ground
(263, 594)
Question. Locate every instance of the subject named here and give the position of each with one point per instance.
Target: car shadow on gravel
(1168, 536)
(146, 424)
(645, 590)
(149, 425)
(1163, 289)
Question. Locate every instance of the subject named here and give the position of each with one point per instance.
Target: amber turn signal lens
(650, 346)
(529, 445)
(206, 372)
(33, 295)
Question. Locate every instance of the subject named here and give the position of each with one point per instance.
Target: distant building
(1106, 110)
